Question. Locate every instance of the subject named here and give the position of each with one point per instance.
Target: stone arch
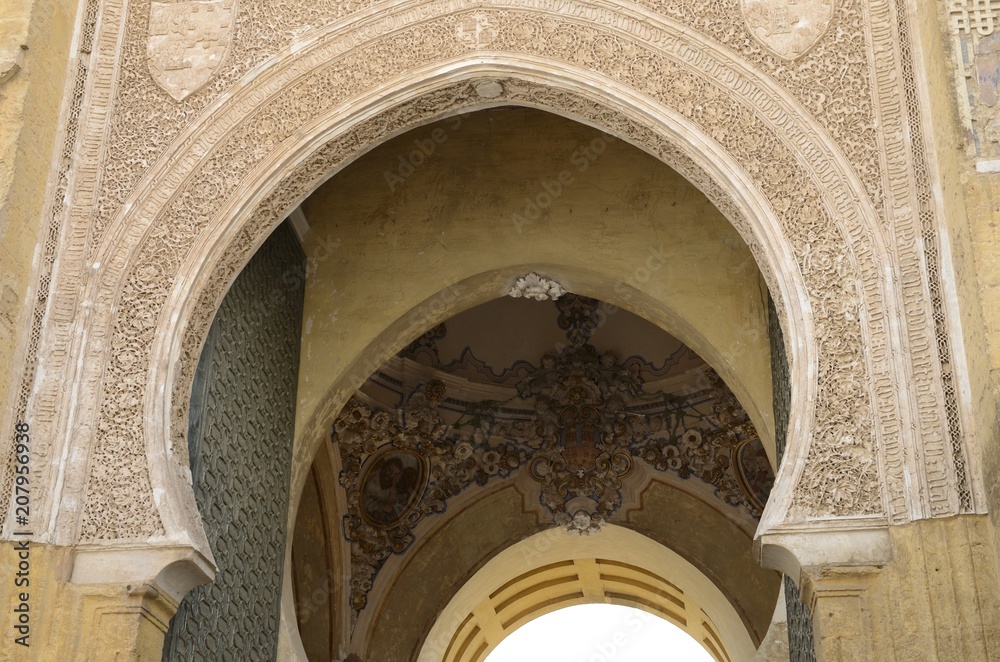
(775, 172)
(462, 240)
(676, 591)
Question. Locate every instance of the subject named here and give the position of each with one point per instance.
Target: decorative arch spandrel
(807, 165)
(703, 103)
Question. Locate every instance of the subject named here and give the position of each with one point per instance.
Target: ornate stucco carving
(821, 244)
(942, 456)
(812, 150)
(535, 287)
(581, 422)
(844, 452)
(831, 79)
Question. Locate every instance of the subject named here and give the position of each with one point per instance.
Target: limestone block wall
(941, 573)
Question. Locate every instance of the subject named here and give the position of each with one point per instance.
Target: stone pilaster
(83, 605)
(841, 604)
(933, 595)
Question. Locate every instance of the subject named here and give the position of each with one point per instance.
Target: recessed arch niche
(825, 163)
(220, 250)
(780, 169)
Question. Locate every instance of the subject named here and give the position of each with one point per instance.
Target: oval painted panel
(392, 485)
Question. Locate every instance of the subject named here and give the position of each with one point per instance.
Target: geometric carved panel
(240, 441)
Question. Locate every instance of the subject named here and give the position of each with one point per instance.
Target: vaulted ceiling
(542, 410)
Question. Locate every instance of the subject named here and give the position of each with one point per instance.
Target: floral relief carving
(832, 80)
(692, 94)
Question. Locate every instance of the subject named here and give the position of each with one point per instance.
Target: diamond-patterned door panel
(240, 442)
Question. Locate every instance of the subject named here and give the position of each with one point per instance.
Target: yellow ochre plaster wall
(35, 40)
(971, 202)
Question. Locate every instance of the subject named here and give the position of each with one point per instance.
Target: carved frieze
(831, 79)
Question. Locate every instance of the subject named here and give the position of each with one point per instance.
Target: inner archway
(422, 229)
(674, 260)
(688, 599)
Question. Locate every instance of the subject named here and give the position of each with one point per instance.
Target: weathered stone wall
(936, 599)
(965, 151)
(315, 582)
(79, 621)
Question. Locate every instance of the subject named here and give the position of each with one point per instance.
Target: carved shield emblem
(788, 28)
(188, 42)
(475, 31)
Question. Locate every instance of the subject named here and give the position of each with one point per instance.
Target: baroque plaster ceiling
(581, 401)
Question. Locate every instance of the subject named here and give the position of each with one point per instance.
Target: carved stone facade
(190, 129)
(702, 85)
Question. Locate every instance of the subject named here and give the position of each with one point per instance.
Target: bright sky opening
(599, 633)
